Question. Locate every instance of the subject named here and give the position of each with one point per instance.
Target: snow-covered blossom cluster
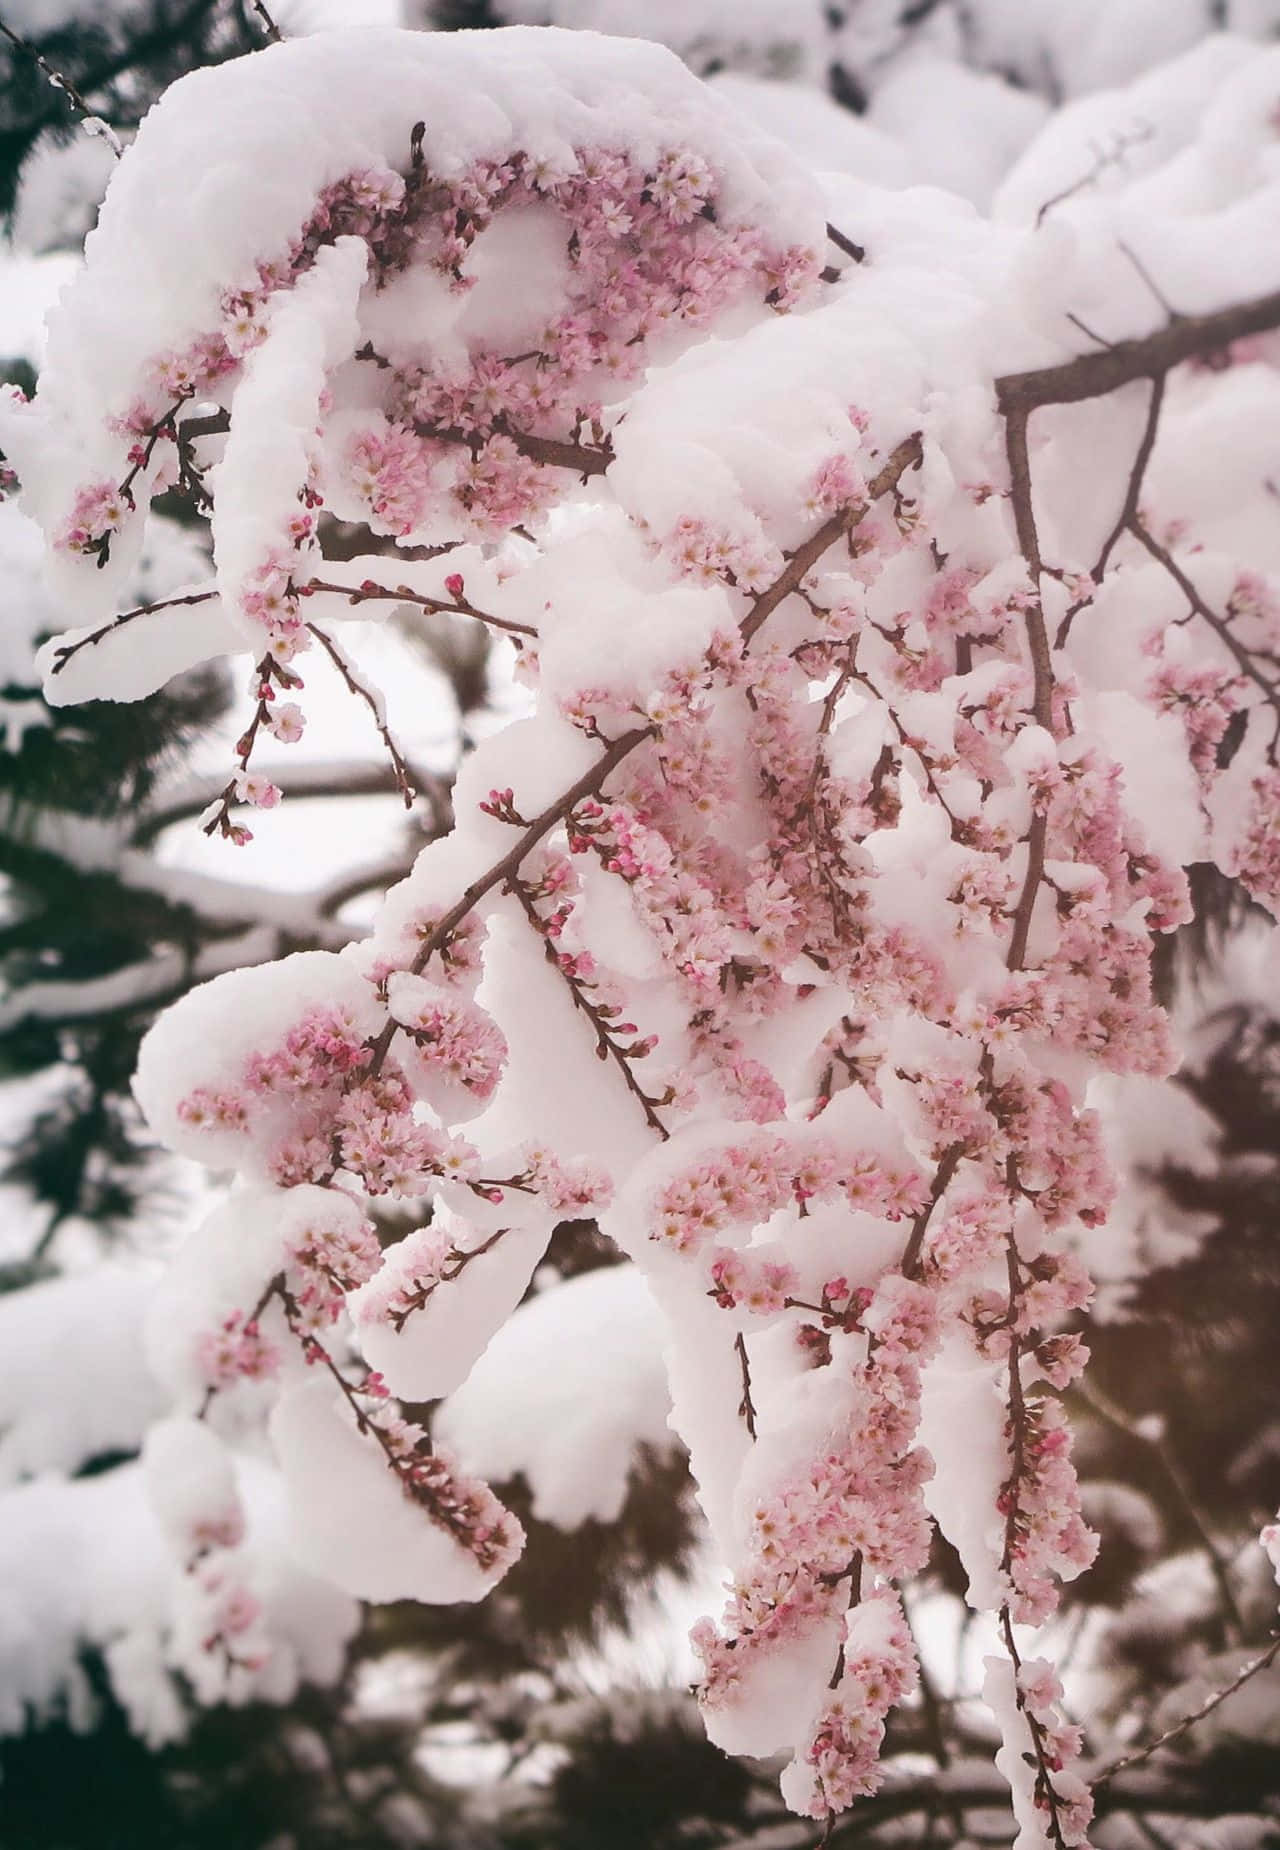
(789, 931)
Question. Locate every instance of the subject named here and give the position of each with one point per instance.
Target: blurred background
(556, 1714)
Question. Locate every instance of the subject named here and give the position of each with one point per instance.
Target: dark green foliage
(652, 1783)
(247, 1778)
(119, 58)
(82, 1153)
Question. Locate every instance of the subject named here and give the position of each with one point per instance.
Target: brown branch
(1091, 375)
(802, 561)
(356, 686)
(58, 81)
(846, 245)
(401, 594)
(608, 1046)
(214, 424)
(942, 1178)
(746, 1406)
(588, 785)
(274, 35)
(1016, 421)
(583, 458)
(63, 655)
(1207, 1707)
(1129, 512)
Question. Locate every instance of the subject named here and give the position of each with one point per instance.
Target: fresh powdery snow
(565, 1394)
(800, 927)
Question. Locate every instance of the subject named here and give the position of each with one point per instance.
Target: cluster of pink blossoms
(480, 443)
(100, 511)
(1256, 861)
(314, 1105)
(236, 1351)
(330, 1255)
(464, 1506)
(854, 1516)
(745, 1184)
(228, 1615)
(841, 1760)
(455, 1038)
(768, 838)
(1205, 698)
(1047, 1538)
(645, 251)
(1039, 1694)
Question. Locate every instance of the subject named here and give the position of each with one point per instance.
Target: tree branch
(57, 81)
(65, 654)
(589, 784)
(357, 687)
(906, 456)
(1092, 375)
(1207, 1707)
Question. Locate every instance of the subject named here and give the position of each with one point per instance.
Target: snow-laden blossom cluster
(789, 931)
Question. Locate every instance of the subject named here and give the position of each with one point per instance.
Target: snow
(274, 411)
(435, 1351)
(962, 1427)
(736, 436)
(960, 129)
(220, 1268)
(825, 136)
(191, 1482)
(350, 1522)
(85, 1563)
(53, 1419)
(569, 1388)
(206, 1038)
(162, 257)
(141, 657)
(999, 1692)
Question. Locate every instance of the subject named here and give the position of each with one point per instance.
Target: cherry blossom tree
(894, 593)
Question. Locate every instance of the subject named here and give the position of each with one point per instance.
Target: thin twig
(588, 785)
(1103, 158)
(272, 30)
(93, 123)
(401, 594)
(63, 655)
(1133, 493)
(1106, 1409)
(608, 1044)
(1250, 1669)
(1150, 281)
(356, 686)
(802, 561)
(746, 1406)
(1092, 375)
(1219, 625)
